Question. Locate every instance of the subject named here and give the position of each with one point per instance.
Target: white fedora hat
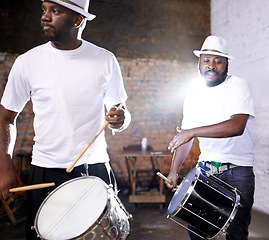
(214, 45)
(79, 6)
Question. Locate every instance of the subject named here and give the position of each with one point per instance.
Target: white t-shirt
(210, 105)
(68, 90)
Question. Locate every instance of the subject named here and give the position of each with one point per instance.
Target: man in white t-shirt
(217, 110)
(75, 87)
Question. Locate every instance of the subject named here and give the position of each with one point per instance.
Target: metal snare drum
(82, 208)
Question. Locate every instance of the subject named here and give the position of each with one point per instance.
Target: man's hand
(181, 138)
(115, 118)
(172, 177)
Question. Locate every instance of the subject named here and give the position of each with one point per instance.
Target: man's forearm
(233, 127)
(179, 156)
(7, 131)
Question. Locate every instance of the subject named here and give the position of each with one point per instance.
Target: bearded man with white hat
(76, 88)
(217, 110)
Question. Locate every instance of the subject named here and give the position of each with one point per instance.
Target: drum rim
(59, 187)
(188, 192)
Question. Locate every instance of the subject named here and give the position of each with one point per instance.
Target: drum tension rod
(87, 169)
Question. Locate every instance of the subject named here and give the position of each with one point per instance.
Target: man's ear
(78, 21)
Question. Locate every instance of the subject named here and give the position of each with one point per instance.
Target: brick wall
(156, 90)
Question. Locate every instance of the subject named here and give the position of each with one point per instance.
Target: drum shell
(113, 223)
(208, 205)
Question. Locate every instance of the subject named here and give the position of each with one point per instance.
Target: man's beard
(58, 37)
(219, 80)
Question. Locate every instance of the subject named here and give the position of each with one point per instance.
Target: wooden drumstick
(70, 168)
(163, 177)
(32, 187)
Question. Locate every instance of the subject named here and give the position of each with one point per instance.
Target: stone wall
(244, 23)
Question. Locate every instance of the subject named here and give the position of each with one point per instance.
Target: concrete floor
(149, 223)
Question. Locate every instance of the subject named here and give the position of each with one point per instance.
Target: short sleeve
(241, 100)
(17, 90)
(115, 92)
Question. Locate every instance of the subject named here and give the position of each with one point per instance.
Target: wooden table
(156, 159)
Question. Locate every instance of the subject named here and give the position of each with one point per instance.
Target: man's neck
(68, 46)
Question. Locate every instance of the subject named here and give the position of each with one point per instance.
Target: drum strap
(109, 171)
(211, 169)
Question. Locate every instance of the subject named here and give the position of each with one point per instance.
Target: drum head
(183, 191)
(71, 209)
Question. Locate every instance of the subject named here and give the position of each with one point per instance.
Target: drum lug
(130, 216)
(33, 228)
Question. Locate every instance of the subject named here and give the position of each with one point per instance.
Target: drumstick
(70, 168)
(163, 177)
(32, 187)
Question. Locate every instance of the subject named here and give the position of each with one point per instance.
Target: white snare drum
(82, 208)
